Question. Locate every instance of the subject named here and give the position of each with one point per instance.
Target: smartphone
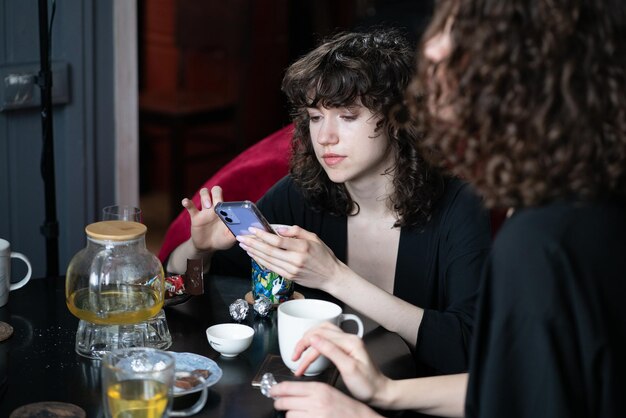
(239, 216)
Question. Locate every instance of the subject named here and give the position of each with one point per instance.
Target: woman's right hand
(347, 352)
(208, 232)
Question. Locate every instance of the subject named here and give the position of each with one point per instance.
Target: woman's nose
(327, 133)
(438, 48)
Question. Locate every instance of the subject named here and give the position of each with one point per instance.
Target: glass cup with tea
(139, 382)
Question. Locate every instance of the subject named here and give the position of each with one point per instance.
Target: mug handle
(195, 408)
(21, 283)
(352, 317)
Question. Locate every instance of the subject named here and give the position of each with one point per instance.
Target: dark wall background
(280, 32)
(83, 127)
(312, 20)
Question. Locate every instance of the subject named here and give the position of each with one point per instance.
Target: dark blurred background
(178, 49)
(200, 58)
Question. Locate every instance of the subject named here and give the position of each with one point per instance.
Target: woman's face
(436, 50)
(347, 145)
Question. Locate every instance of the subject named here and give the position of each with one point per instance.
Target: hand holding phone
(239, 216)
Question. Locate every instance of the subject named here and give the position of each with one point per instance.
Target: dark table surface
(38, 362)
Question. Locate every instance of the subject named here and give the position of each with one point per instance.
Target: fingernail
(206, 203)
(244, 247)
(253, 230)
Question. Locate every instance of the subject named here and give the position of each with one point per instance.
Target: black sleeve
(282, 204)
(444, 337)
(231, 262)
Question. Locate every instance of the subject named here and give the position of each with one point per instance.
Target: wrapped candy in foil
(262, 305)
(267, 382)
(238, 310)
(174, 286)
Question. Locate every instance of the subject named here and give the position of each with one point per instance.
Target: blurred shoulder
(563, 224)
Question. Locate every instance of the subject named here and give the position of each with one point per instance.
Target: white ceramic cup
(296, 317)
(5, 271)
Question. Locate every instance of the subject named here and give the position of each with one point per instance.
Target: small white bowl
(229, 339)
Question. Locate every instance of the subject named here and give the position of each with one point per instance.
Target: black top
(551, 327)
(438, 267)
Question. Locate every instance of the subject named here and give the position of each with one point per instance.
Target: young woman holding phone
(371, 222)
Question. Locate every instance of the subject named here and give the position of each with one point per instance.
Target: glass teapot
(115, 279)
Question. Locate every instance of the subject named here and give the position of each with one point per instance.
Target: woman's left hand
(314, 399)
(295, 254)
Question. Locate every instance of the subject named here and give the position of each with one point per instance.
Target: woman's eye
(349, 117)
(314, 118)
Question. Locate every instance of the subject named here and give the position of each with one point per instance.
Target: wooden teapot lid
(115, 230)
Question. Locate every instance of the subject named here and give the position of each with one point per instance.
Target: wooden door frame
(125, 102)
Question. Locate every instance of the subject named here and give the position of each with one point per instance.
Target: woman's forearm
(388, 310)
(437, 395)
(177, 262)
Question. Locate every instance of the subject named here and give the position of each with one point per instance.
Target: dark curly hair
(375, 69)
(538, 98)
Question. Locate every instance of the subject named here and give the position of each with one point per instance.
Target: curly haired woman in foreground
(526, 100)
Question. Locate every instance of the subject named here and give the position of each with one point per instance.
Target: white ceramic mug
(296, 317)
(5, 271)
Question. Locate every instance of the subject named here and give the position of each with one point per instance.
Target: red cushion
(247, 177)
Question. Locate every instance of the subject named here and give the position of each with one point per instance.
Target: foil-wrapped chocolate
(262, 305)
(174, 286)
(238, 310)
(267, 382)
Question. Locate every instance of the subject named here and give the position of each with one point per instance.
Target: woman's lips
(332, 159)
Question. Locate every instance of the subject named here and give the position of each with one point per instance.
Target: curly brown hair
(538, 99)
(374, 68)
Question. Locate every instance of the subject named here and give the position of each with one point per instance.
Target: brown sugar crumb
(186, 382)
(202, 372)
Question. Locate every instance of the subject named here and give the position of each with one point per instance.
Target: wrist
(195, 252)
(339, 280)
(384, 395)
(177, 262)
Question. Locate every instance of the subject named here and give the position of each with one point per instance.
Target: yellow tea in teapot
(115, 280)
(119, 304)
